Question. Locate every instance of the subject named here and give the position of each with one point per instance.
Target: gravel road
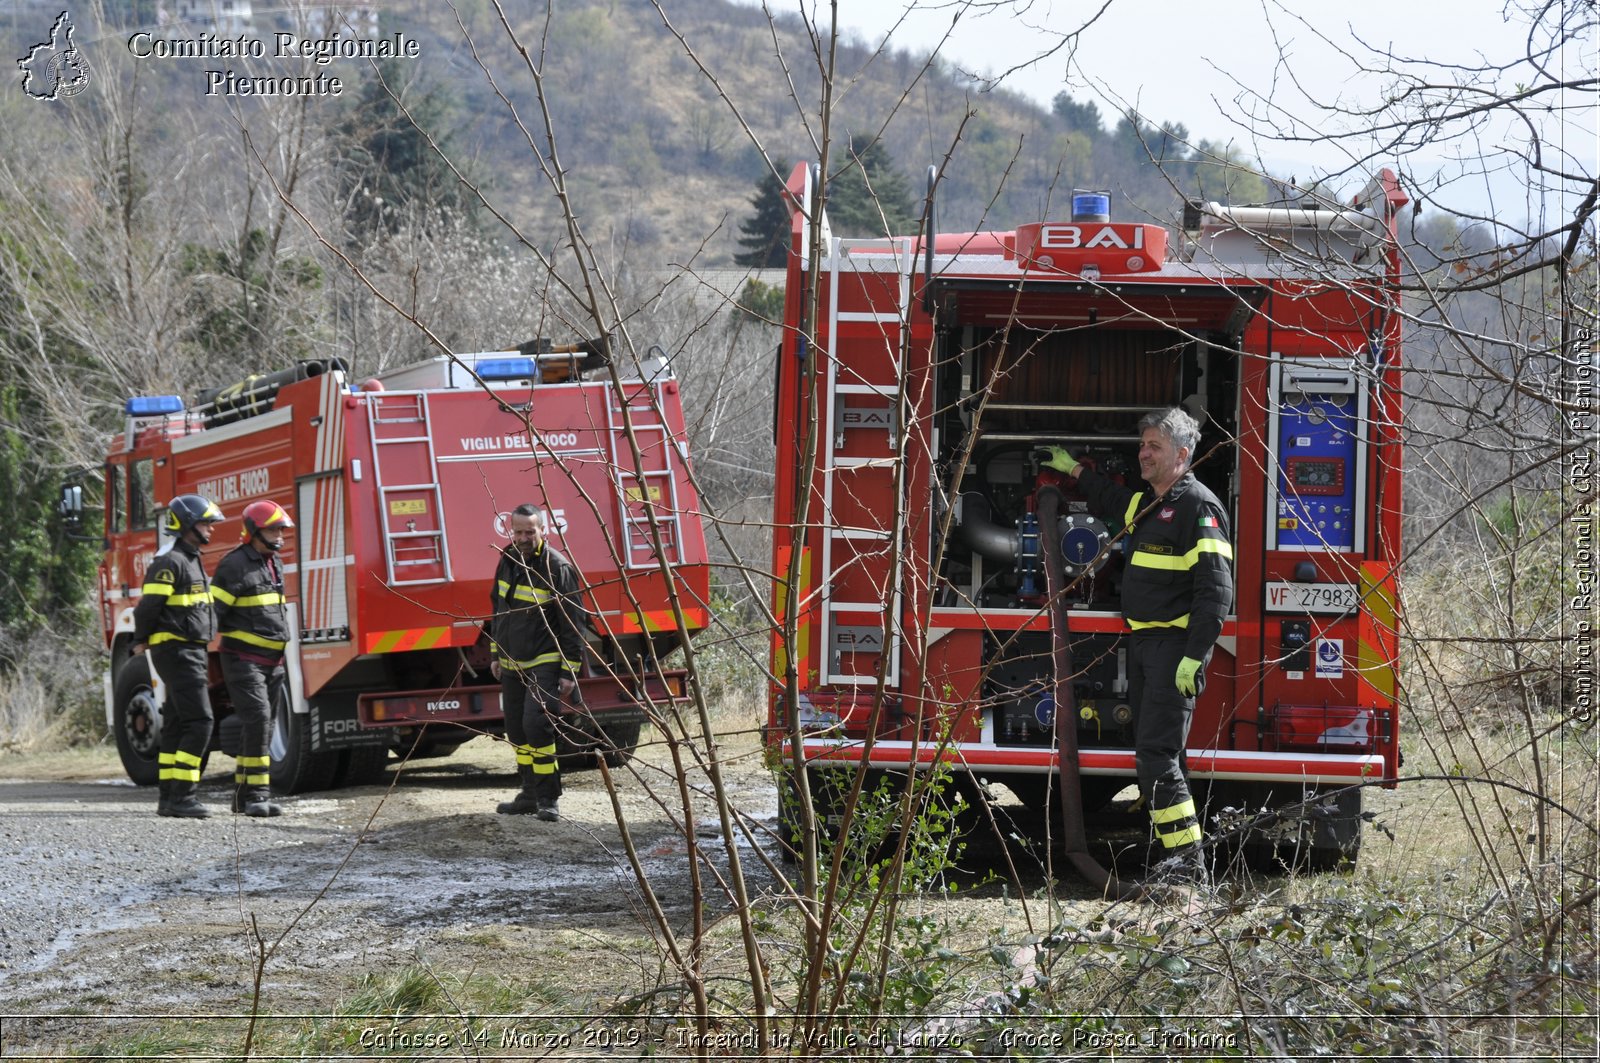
(104, 905)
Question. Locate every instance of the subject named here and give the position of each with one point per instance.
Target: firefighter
(173, 620)
(253, 618)
(1177, 587)
(536, 634)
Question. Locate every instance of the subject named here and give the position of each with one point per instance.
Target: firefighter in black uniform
(536, 634)
(173, 620)
(1177, 587)
(253, 618)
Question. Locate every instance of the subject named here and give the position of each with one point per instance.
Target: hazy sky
(1189, 63)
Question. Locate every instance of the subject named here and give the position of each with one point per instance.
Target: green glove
(1061, 461)
(1188, 668)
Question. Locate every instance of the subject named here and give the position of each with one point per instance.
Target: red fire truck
(915, 392)
(400, 490)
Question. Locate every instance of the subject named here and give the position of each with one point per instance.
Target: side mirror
(70, 508)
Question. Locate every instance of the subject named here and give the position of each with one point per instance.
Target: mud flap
(335, 726)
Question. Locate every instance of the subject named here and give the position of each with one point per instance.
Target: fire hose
(1070, 784)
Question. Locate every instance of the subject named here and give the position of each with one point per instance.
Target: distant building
(231, 17)
(346, 21)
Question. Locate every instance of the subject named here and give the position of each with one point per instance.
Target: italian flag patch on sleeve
(1208, 522)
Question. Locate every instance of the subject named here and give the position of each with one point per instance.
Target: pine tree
(766, 232)
(869, 196)
(390, 171)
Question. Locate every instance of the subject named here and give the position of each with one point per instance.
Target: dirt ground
(108, 909)
(111, 917)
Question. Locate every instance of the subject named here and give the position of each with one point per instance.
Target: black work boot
(239, 798)
(186, 807)
(258, 802)
(164, 788)
(548, 811)
(183, 804)
(525, 803)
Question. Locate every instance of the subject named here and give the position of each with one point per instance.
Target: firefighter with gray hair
(1177, 587)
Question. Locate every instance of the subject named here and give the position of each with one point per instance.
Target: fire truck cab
(400, 490)
(915, 397)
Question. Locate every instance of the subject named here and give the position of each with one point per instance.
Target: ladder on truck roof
(647, 495)
(410, 509)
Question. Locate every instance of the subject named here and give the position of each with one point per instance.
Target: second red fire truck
(400, 488)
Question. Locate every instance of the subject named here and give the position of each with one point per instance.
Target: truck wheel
(1327, 837)
(623, 742)
(1334, 832)
(136, 721)
(296, 767)
(362, 766)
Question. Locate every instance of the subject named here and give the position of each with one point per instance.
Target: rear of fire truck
(922, 379)
(401, 489)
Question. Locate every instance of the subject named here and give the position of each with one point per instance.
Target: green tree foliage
(764, 302)
(246, 300)
(868, 196)
(1077, 117)
(44, 579)
(390, 172)
(765, 233)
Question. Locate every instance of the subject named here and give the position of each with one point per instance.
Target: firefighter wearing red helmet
(253, 618)
(173, 619)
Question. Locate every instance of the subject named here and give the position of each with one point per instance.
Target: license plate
(1311, 597)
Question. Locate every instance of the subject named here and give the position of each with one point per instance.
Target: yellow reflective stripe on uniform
(537, 595)
(255, 599)
(502, 587)
(1187, 836)
(167, 636)
(543, 759)
(220, 595)
(186, 767)
(1140, 625)
(542, 659)
(165, 762)
(524, 755)
(255, 640)
(162, 589)
(255, 762)
(241, 778)
(1133, 510)
(1181, 810)
(556, 658)
(181, 600)
(1145, 559)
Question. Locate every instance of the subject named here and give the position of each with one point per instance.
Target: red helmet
(259, 516)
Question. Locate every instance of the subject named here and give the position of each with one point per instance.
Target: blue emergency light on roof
(153, 405)
(1091, 206)
(507, 369)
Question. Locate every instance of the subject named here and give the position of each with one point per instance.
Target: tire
(1335, 832)
(296, 767)
(1326, 837)
(362, 766)
(136, 722)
